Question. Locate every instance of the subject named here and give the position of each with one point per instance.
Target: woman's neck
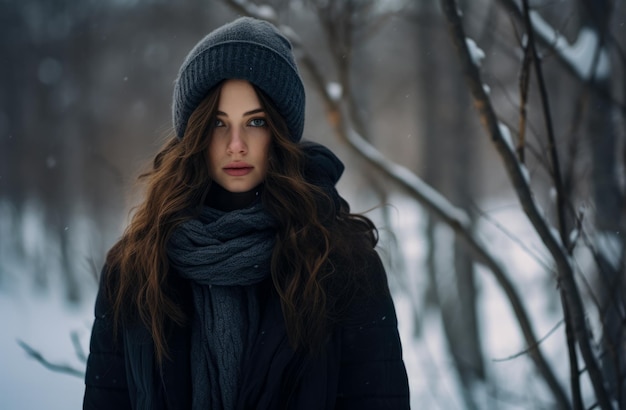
(227, 201)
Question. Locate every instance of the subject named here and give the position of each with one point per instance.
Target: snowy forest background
(485, 138)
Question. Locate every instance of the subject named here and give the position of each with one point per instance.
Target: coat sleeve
(105, 377)
(372, 374)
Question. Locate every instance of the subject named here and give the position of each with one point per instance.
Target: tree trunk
(609, 203)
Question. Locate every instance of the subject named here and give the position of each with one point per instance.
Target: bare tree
(558, 244)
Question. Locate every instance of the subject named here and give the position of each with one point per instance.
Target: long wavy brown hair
(317, 262)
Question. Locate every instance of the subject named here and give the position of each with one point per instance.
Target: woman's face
(239, 146)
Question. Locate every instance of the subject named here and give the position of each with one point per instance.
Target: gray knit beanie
(248, 49)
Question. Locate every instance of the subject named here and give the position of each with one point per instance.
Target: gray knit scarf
(224, 254)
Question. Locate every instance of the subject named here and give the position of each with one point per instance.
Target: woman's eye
(218, 123)
(258, 122)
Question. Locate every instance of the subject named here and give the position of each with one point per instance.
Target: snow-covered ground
(45, 321)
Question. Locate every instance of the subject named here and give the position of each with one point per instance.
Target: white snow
(580, 55)
(44, 322)
(432, 378)
(525, 173)
(334, 91)
(525, 257)
(410, 179)
(506, 135)
(476, 53)
(556, 235)
(573, 235)
(610, 245)
(552, 194)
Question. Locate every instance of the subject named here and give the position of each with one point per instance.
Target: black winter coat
(361, 367)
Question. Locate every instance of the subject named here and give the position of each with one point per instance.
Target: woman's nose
(236, 144)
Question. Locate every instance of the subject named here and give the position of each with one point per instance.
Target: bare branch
(524, 82)
(55, 367)
(531, 253)
(531, 51)
(554, 157)
(517, 176)
(527, 350)
(78, 347)
(559, 45)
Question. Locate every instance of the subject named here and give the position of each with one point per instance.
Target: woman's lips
(238, 170)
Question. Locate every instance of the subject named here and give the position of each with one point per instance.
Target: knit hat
(248, 49)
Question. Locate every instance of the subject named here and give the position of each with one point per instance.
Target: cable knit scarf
(223, 254)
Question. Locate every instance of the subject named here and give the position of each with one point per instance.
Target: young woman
(243, 281)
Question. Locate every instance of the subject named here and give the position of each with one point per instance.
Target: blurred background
(85, 102)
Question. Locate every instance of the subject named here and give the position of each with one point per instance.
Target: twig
(529, 348)
(545, 104)
(560, 202)
(530, 252)
(55, 367)
(78, 347)
(524, 82)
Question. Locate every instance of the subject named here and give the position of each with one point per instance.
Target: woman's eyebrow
(245, 114)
